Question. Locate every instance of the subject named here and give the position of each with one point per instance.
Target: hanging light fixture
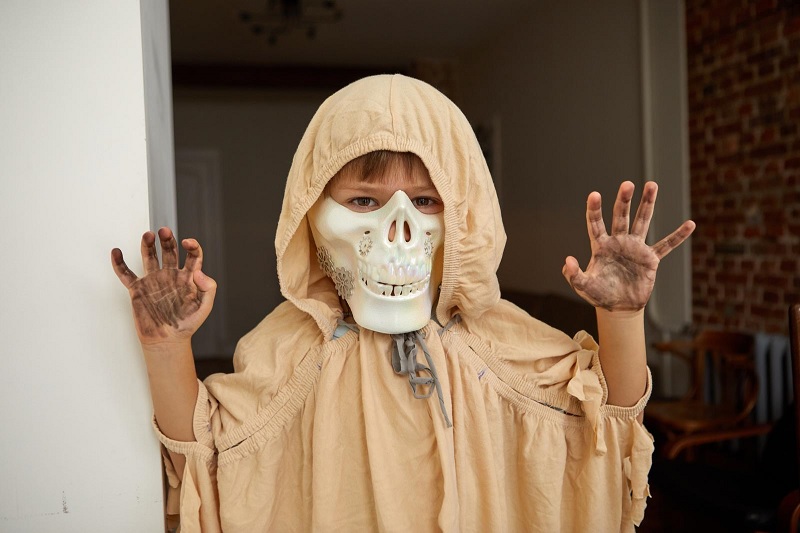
(283, 16)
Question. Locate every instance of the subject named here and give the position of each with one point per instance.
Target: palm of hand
(622, 271)
(169, 303)
(620, 275)
(165, 303)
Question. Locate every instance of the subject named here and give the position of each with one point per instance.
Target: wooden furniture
(761, 495)
(723, 393)
(789, 512)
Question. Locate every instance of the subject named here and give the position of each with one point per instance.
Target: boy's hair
(373, 165)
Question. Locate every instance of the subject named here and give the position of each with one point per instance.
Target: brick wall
(744, 117)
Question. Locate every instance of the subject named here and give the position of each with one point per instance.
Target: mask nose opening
(393, 231)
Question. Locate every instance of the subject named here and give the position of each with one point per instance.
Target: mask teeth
(372, 286)
(390, 289)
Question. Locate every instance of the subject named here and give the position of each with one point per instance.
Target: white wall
(77, 450)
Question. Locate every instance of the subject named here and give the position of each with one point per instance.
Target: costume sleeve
(635, 444)
(616, 429)
(195, 497)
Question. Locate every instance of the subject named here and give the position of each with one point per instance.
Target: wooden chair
(762, 495)
(789, 512)
(723, 393)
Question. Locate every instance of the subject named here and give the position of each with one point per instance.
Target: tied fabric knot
(585, 386)
(404, 362)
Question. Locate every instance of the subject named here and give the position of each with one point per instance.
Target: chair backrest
(724, 370)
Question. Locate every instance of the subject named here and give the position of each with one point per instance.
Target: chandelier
(284, 16)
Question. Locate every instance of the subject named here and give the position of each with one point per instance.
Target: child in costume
(395, 390)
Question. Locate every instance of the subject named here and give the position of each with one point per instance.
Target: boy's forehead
(394, 174)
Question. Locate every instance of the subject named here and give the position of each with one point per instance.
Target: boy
(394, 389)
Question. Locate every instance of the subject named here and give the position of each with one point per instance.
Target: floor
(719, 491)
(669, 513)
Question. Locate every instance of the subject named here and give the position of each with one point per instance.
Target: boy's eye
(364, 201)
(425, 203)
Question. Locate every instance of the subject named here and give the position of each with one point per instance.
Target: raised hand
(169, 303)
(622, 271)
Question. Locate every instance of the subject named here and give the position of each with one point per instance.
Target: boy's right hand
(169, 303)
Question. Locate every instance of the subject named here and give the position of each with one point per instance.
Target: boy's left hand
(622, 271)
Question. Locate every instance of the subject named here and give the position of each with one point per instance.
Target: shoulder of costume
(285, 329)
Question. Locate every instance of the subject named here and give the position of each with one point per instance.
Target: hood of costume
(318, 428)
(402, 115)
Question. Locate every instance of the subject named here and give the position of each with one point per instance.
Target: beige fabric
(319, 434)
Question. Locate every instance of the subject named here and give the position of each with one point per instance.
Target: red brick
(788, 62)
(769, 280)
(768, 135)
(771, 297)
(749, 169)
(791, 27)
(789, 265)
(769, 266)
(764, 6)
(764, 88)
(766, 69)
(776, 149)
(753, 231)
(789, 130)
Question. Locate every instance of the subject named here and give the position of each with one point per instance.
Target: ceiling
(370, 32)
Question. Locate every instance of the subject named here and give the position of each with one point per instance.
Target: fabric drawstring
(343, 327)
(450, 323)
(404, 361)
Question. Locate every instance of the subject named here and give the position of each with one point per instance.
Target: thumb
(207, 287)
(572, 273)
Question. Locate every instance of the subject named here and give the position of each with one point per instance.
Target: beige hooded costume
(315, 432)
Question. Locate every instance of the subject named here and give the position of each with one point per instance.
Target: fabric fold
(637, 466)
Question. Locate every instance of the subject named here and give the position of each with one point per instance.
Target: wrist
(167, 347)
(620, 315)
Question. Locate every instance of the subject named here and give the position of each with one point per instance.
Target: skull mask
(388, 283)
